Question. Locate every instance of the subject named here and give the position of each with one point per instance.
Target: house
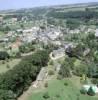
(76, 31)
(53, 34)
(96, 33)
(1, 19)
(86, 52)
(27, 31)
(56, 43)
(13, 20)
(4, 39)
(56, 54)
(94, 87)
(69, 45)
(15, 46)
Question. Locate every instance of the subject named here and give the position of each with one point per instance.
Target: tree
(7, 95)
(46, 95)
(72, 24)
(7, 28)
(91, 92)
(22, 26)
(65, 70)
(22, 48)
(4, 55)
(40, 58)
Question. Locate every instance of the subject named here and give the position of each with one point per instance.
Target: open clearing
(58, 91)
(11, 64)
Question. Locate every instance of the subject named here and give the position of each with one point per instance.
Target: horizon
(13, 4)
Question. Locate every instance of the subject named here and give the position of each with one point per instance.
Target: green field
(1, 33)
(11, 64)
(58, 91)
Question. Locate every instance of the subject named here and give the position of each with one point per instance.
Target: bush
(18, 55)
(7, 60)
(46, 85)
(3, 62)
(51, 62)
(65, 70)
(46, 95)
(65, 83)
(94, 81)
(7, 66)
(57, 95)
(4, 55)
(50, 72)
(7, 95)
(83, 91)
(59, 77)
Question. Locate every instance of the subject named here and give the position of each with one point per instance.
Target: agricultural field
(67, 89)
(5, 66)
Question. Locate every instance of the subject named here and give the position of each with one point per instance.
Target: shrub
(4, 55)
(46, 85)
(7, 66)
(50, 72)
(59, 77)
(18, 55)
(3, 62)
(57, 95)
(94, 81)
(83, 91)
(65, 83)
(7, 60)
(46, 95)
(51, 62)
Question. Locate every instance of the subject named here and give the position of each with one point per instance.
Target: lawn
(58, 91)
(1, 33)
(11, 64)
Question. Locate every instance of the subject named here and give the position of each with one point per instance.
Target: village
(51, 58)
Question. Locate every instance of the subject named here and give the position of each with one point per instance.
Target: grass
(3, 67)
(58, 91)
(1, 33)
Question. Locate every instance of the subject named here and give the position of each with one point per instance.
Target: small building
(14, 20)
(1, 19)
(96, 33)
(53, 34)
(56, 54)
(86, 52)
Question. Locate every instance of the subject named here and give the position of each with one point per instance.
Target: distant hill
(90, 4)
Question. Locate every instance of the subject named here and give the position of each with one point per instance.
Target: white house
(96, 32)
